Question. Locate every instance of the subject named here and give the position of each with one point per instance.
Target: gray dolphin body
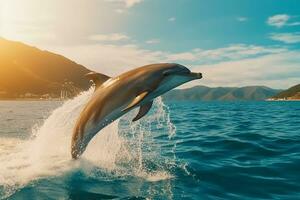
(116, 96)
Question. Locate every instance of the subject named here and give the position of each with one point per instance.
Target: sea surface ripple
(180, 150)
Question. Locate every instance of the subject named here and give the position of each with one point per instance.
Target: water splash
(46, 153)
(130, 150)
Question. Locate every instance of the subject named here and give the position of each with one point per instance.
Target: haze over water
(186, 150)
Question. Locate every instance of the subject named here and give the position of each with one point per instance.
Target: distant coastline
(291, 94)
(32, 99)
(45, 97)
(271, 99)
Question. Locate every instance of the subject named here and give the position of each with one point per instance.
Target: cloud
(109, 59)
(19, 21)
(278, 20)
(153, 41)
(281, 20)
(232, 52)
(171, 19)
(242, 19)
(109, 37)
(294, 24)
(277, 70)
(120, 11)
(184, 56)
(126, 3)
(273, 67)
(288, 38)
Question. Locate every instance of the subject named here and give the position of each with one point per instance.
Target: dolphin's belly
(94, 127)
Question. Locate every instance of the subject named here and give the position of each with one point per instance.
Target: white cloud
(288, 38)
(294, 24)
(109, 37)
(19, 21)
(126, 3)
(277, 70)
(171, 19)
(130, 3)
(278, 20)
(281, 20)
(153, 41)
(275, 67)
(232, 52)
(184, 56)
(120, 11)
(109, 59)
(242, 19)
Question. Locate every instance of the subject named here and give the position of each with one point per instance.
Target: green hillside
(291, 93)
(221, 93)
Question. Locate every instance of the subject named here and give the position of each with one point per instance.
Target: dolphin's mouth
(194, 75)
(186, 72)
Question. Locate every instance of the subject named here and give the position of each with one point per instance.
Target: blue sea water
(180, 150)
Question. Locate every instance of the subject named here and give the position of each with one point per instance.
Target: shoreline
(29, 99)
(282, 100)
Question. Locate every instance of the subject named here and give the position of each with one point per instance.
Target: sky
(232, 42)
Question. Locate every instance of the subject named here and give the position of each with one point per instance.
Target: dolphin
(113, 97)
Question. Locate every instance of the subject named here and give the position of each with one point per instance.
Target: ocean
(180, 150)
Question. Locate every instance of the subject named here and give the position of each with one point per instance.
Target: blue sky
(233, 42)
(209, 24)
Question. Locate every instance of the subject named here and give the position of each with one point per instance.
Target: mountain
(289, 94)
(221, 93)
(26, 70)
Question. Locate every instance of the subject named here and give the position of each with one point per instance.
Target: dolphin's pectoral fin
(144, 109)
(97, 78)
(136, 100)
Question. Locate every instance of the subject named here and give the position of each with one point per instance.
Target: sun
(10, 12)
(19, 20)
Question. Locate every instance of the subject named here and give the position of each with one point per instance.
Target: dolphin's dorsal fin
(136, 100)
(144, 109)
(97, 78)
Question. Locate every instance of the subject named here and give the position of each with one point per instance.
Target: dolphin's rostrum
(113, 97)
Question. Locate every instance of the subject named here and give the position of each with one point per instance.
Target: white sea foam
(47, 153)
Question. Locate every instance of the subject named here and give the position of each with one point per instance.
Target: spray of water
(124, 147)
